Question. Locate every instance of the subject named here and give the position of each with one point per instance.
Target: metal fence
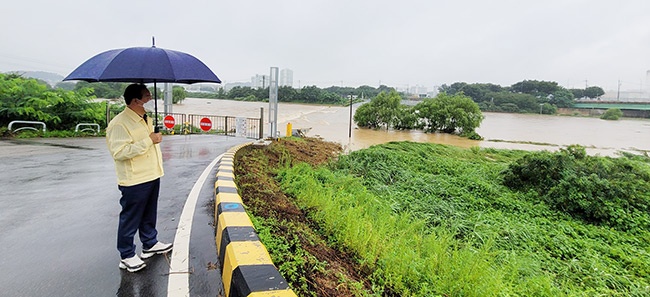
(178, 123)
(175, 123)
(226, 125)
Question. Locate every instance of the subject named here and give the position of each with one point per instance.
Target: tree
(240, 92)
(287, 94)
(178, 94)
(535, 88)
(475, 91)
(221, 93)
(381, 111)
(66, 85)
(452, 89)
(407, 118)
(366, 117)
(548, 108)
(577, 93)
(309, 94)
(28, 99)
(450, 113)
(562, 98)
(25, 99)
(523, 102)
(594, 92)
(108, 90)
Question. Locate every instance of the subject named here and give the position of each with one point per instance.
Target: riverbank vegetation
(432, 220)
(308, 94)
(444, 113)
(528, 96)
(612, 114)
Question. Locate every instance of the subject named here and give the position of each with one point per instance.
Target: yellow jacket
(137, 159)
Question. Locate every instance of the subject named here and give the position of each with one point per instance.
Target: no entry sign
(205, 124)
(169, 122)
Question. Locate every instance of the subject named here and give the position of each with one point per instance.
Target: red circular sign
(169, 122)
(205, 124)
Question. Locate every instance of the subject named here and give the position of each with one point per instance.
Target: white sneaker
(132, 264)
(158, 248)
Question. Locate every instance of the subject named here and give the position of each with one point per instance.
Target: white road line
(179, 276)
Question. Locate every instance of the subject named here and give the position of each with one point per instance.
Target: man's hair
(133, 91)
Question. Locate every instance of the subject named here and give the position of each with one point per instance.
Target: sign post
(273, 103)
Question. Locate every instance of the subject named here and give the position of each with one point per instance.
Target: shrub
(612, 114)
(598, 190)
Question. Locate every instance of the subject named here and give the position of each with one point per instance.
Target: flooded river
(500, 130)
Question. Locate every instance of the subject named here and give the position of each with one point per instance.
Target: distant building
(417, 91)
(286, 77)
(202, 87)
(228, 86)
(260, 81)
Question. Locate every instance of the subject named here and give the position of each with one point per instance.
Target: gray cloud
(351, 43)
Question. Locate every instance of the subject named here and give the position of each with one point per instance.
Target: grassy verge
(432, 220)
(296, 245)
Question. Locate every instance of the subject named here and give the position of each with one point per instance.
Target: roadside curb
(246, 266)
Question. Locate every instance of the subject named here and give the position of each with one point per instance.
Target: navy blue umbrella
(144, 65)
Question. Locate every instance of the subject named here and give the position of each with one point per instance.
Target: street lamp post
(350, 126)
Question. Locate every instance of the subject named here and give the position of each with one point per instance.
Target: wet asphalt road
(58, 218)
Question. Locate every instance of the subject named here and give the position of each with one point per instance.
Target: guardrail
(76, 129)
(246, 266)
(26, 122)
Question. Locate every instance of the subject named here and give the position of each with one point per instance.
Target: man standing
(138, 163)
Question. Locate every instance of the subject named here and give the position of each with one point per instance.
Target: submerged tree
(445, 113)
(381, 111)
(450, 114)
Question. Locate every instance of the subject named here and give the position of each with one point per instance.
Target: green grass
(433, 220)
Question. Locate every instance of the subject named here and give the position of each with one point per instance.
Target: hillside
(50, 78)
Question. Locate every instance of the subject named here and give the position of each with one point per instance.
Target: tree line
(308, 94)
(528, 96)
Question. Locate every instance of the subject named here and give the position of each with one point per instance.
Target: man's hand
(155, 137)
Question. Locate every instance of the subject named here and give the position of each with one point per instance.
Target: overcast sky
(349, 42)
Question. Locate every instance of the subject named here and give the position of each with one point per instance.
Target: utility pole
(350, 126)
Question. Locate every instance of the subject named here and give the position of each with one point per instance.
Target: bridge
(629, 109)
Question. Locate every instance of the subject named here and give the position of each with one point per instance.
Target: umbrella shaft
(155, 108)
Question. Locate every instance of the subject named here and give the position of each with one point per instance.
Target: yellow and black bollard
(289, 128)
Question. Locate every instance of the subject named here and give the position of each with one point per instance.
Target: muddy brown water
(500, 130)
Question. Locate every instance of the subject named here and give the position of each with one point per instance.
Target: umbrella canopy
(143, 65)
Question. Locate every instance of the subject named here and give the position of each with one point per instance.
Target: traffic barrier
(246, 266)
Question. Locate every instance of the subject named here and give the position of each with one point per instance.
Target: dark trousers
(139, 212)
